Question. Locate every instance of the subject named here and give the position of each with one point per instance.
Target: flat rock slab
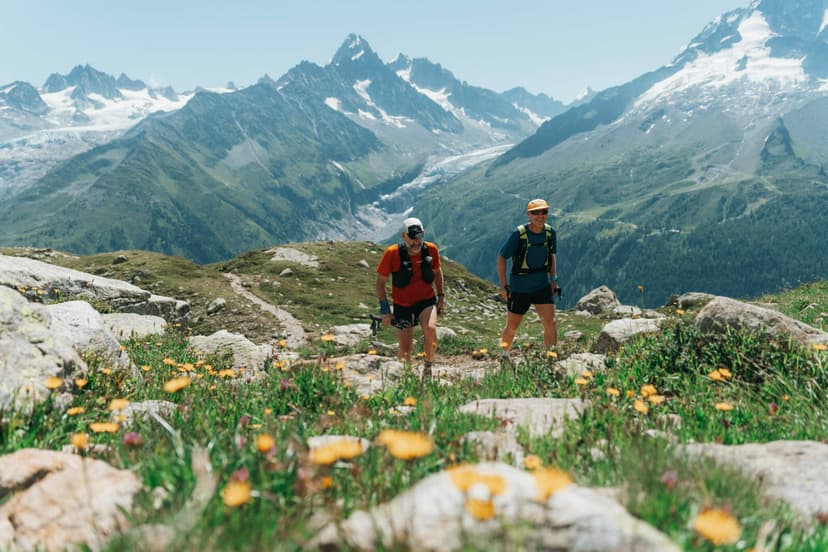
(793, 471)
(540, 416)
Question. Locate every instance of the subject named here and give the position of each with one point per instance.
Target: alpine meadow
(200, 349)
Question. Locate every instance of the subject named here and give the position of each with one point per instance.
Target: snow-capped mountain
(468, 103)
(708, 173)
(69, 115)
(729, 86)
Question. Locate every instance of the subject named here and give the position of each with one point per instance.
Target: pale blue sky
(553, 46)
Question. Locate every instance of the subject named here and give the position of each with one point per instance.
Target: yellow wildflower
(265, 443)
(410, 401)
(581, 381)
(342, 449)
(80, 441)
(551, 354)
(549, 481)
(146, 367)
(327, 337)
(504, 345)
(372, 351)
(717, 526)
(613, 391)
(75, 410)
(715, 375)
(283, 343)
(104, 427)
(53, 382)
(236, 493)
(586, 374)
(639, 406)
(648, 390)
(465, 477)
(480, 509)
(820, 346)
(80, 383)
(176, 384)
(106, 371)
(118, 404)
(656, 399)
(724, 406)
(405, 445)
(532, 462)
(680, 312)
(169, 362)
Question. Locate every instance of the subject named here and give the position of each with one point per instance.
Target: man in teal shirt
(533, 279)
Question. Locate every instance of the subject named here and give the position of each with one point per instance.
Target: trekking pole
(376, 322)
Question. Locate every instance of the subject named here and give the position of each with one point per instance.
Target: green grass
(777, 390)
(297, 403)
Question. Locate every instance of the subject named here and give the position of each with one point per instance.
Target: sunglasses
(539, 212)
(415, 232)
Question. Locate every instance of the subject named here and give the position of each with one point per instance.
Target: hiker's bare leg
(428, 320)
(405, 339)
(550, 327)
(512, 323)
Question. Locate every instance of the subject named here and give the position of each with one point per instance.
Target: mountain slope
(322, 152)
(225, 190)
(704, 174)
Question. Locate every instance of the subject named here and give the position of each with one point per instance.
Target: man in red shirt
(414, 267)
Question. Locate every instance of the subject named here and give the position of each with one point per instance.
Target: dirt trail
(294, 333)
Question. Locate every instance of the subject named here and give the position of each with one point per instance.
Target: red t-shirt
(417, 290)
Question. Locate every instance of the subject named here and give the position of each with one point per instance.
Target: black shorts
(519, 302)
(408, 317)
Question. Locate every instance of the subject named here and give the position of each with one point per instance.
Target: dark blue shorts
(519, 303)
(408, 317)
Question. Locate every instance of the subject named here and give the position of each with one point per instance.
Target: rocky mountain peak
(87, 80)
(355, 50)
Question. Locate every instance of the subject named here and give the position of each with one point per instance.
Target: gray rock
(216, 305)
(578, 362)
(84, 327)
(364, 264)
(370, 374)
(541, 416)
(55, 282)
(617, 332)
(723, 314)
(246, 354)
(350, 334)
(600, 302)
(127, 325)
(60, 500)
(30, 352)
(626, 311)
(433, 515)
(793, 471)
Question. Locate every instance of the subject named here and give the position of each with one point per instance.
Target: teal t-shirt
(535, 258)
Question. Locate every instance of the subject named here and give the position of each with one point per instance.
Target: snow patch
(361, 88)
(824, 21)
(748, 59)
(334, 103)
(358, 55)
